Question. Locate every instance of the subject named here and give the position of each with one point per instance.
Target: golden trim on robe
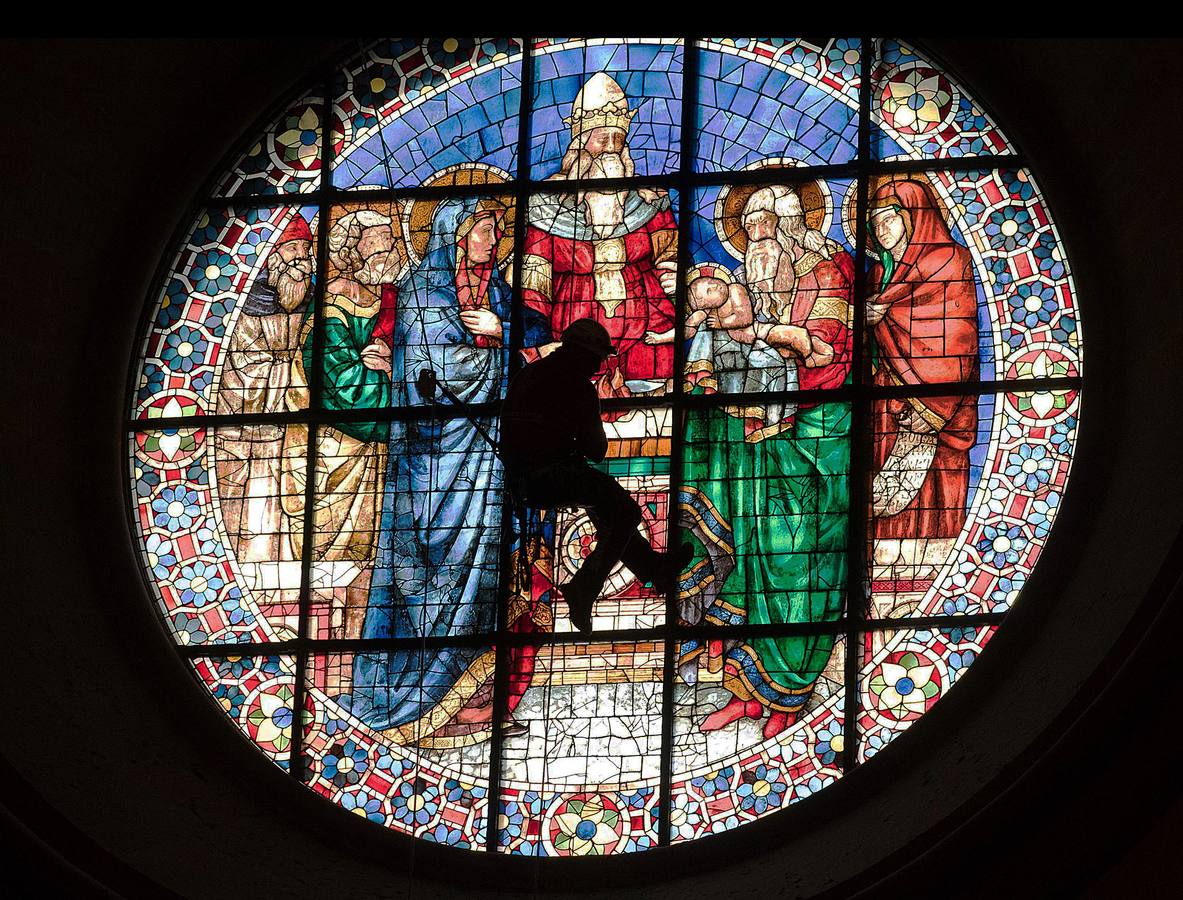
(537, 274)
(442, 713)
(917, 404)
(836, 308)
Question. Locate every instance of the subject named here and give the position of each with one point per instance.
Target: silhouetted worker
(550, 428)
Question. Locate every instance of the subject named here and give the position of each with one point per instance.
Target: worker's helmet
(590, 335)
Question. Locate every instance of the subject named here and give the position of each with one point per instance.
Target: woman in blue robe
(436, 572)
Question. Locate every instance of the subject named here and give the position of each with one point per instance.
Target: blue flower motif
(202, 381)
(714, 782)
(830, 742)
(152, 381)
(894, 53)
(456, 792)
(1006, 591)
(1032, 303)
(1064, 435)
(443, 833)
(235, 613)
(1018, 185)
(215, 317)
(762, 789)
(968, 118)
(213, 272)
(199, 583)
(874, 742)
(1001, 545)
(961, 659)
(396, 766)
(233, 667)
(1043, 511)
(196, 472)
(843, 58)
(230, 696)
(1029, 466)
(810, 787)
(161, 555)
(959, 633)
(187, 629)
(208, 543)
(1064, 328)
(414, 803)
(971, 202)
(175, 509)
(184, 349)
(1048, 256)
(804, 57)
(492, 47)
(345, 763)
(376, 85)
(1000, 273)
(361, 803)
(147, 480)
(172, 304)
(208, 227)
(251, 244)
(510, 820)
(1008, 228)
(638, 800)
(955, 606)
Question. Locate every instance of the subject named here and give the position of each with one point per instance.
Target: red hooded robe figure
(928, 335)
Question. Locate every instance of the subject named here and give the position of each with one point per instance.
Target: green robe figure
(766, 494)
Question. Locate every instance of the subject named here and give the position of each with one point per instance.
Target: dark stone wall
(1049, 771)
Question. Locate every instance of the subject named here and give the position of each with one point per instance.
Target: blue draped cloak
(436, 572)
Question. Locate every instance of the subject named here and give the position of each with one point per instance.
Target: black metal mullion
(500, 700)
(408, 413)
(315, 388)
(685, 187)
(858, 542)
(674, 180)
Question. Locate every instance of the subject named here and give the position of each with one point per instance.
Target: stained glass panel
(408, 110)
(313, 432)
(783, 98)
(591, 90)
(919, 111)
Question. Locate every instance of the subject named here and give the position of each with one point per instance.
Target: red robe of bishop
(561, 274)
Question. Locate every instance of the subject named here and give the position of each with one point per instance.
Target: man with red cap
(550, 429)
(255, 379)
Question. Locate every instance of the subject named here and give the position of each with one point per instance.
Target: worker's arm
(590, 439)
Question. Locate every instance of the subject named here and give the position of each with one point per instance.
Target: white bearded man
(358, 319)
(606, 256)
(800, 283)
(255, 379)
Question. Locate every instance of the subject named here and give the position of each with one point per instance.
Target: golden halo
(708, 270)
(814, 195)
(417, 214)
(873, 184)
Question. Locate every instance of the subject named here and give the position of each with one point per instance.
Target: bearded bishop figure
(608, 256)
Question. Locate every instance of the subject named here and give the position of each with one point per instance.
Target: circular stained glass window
(848, 375)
